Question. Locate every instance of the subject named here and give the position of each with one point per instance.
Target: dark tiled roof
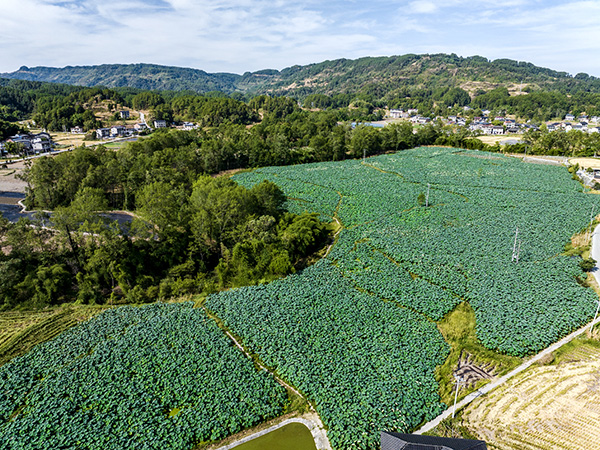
(432, 442)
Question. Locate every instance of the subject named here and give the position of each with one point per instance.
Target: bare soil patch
(9, 181)
(470, 372)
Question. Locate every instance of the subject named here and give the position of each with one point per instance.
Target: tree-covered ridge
(140, 76)
(368, 75)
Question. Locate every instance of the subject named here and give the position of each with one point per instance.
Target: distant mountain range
(370, 75)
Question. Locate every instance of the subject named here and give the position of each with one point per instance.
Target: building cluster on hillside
(118, 131)
(583, 123)
(486, 125)
(500, 125)
(32, 144)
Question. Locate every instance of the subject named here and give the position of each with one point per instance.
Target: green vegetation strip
(161, 376)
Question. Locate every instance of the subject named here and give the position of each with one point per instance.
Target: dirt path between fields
(500, 381)
(311, 420)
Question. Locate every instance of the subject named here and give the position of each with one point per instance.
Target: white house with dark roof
(102, 133)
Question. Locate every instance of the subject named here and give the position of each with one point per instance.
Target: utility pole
(364, 155)
(459, 380)
(591, 221)
(515, 254)
(427, 196)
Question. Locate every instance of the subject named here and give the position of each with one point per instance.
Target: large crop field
(160, 376)
(357, 332)
(354, 332)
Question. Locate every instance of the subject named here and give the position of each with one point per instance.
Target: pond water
(294, 436)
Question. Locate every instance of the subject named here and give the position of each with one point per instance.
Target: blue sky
(248, 35)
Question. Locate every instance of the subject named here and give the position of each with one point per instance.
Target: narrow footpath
(595, 252)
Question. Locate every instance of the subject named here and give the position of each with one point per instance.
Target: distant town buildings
(31, 143)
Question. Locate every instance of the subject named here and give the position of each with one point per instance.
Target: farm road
(500, 381)
(595, 251)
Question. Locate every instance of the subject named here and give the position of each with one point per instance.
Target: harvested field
(551, 407)
(21, 330)
(593, 163)
(491, 140)
(9, 181)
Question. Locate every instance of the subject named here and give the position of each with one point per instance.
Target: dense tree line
(561, 143)
(212, 235)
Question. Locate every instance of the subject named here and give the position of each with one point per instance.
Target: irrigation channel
(595, 252)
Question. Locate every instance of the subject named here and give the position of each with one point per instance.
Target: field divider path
(502, 380)
(315, 425)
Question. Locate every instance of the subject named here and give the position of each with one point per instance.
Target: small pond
(294, 436)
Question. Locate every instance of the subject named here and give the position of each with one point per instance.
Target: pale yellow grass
(491, 140)
(554, 407)
(71, 140)
(593, 163)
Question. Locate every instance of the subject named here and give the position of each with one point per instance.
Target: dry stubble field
(550, 407)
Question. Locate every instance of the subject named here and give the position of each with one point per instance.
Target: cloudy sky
(248, 35)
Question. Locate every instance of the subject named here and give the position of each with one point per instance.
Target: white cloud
(422, 7)
(241, 35)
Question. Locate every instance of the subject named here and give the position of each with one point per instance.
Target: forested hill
(381, 77)
(141, 76)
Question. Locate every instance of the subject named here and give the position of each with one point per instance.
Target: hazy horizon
(248, 35)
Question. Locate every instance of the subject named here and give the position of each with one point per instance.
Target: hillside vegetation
(376, 75)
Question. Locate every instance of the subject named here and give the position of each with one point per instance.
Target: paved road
(500, 381)
(596, 252)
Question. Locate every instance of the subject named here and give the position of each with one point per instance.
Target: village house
(117, 130)
(102, 133)
(160, 124)
(77, 130)
(569, 117)
(124, 114)
(41, 143)
(391, 440)
(189, 126)
(397, 114)
(33, 143)
(140, 126)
